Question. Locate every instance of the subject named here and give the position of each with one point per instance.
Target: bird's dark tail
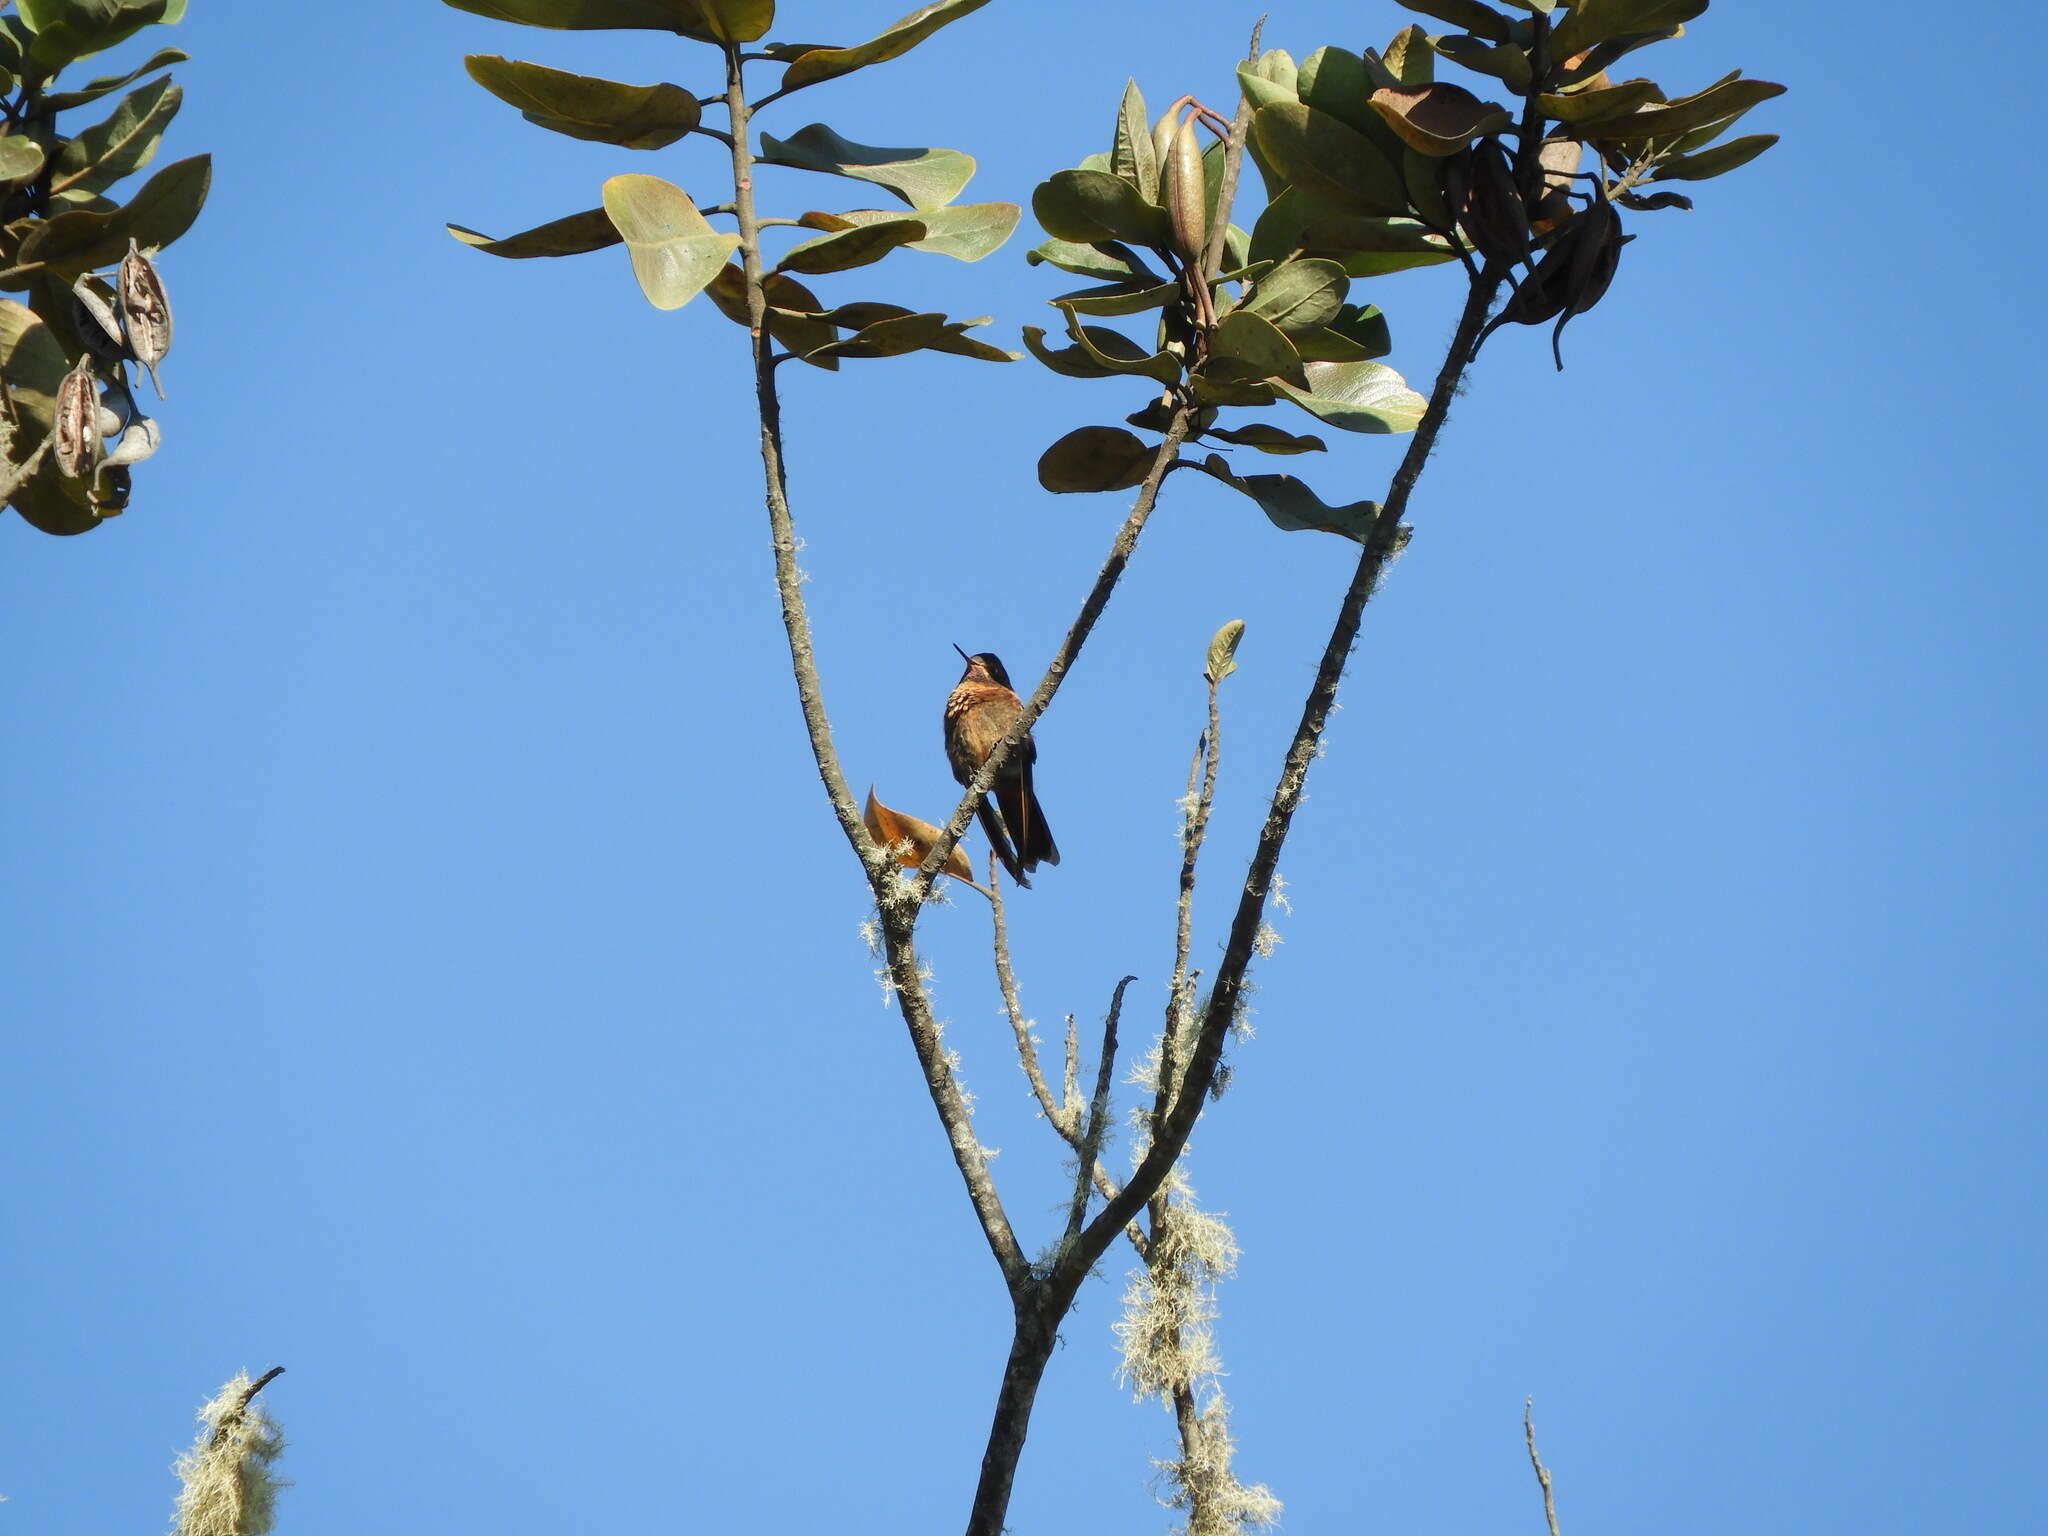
(1026, 823)
(992, 829)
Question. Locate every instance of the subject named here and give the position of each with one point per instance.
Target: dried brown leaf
(894, 829)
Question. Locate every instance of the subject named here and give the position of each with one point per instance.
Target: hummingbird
(979, 712)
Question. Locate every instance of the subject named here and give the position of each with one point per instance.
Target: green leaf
(1267, 439)
(1357, 335)
(1717, 161)
(579, 232)
(121, 145)
(1095, 459)
(1295, 221)
(106, 85)
(1278, 66)
(793, 311)
(674, 251)
(966, 233)
(1133, 156)
(162, 209)
(1221, 660)
(1119, 354)
(1335, 81)
(1721, 103)
(923, 178)
(1116, 263)
(585, 107)
(20, 158)
(33, 362)
(684, 16)
(1299, 295)
(1410, 58)
(1595, 21)
(1251, 349)
(1439, 119)
(1504, 61)
(1480, 20)
(1653, 202)
(1597, 105)
(857, 246)
(71, 29)
(737, 21)
(1329, 159)
(1359, 397)
(891, 336)
(1072, 361)
(1092, 206)
(1293, 507)
(900, 37)
(1119, 298)
(959, 344)
(54, 503)
(1262, 92)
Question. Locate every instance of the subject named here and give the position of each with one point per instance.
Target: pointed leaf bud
(1162, 144)
(1223, 651)
(1187, 193)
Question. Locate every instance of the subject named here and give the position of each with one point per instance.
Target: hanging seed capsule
(145, 312)
(93, 317)
(1187, 193)
(1493, 215)
(142, 438)
(77, 428)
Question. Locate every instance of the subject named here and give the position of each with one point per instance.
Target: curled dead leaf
(913, 839)
(1438, 118)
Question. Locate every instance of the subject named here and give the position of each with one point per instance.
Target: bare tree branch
(1020, 1027)
(904, 971)
(1098, 1115)
(1536, 1461)
(233, 1417)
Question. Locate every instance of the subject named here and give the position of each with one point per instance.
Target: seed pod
(1187, 193)
(95, 321)
(142, 438)
(77, 427)
(145, 312)
(1493, 214)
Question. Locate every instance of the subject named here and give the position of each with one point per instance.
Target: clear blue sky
(429, 963)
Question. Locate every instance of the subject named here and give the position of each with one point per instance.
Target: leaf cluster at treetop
(1371, 166)
(70, 428)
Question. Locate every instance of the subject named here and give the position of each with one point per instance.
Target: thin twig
(1020, 1027)
(1098, 1115)
(1536, 1461)
(233, 1416)
(1193, 831)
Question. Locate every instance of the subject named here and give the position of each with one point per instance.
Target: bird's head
(984, 667)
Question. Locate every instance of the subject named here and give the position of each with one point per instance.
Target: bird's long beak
(964, 656)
